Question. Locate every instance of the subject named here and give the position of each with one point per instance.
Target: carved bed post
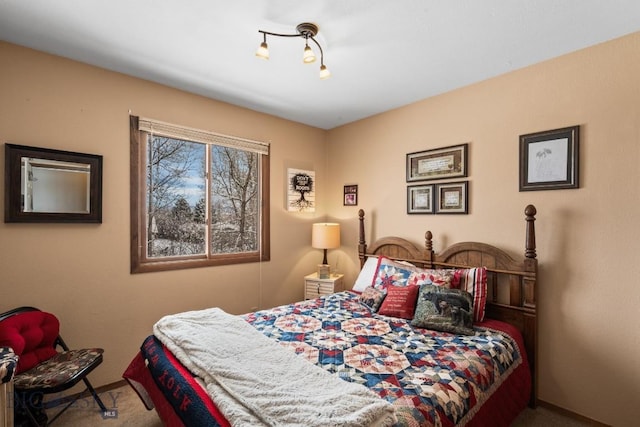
(531, 263)
(428, 245)
(530, 284)
(530, 244)
(362, 243)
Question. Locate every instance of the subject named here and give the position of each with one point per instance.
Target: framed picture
(324, 271)
(452, 197)
(301, 192)
(350, 195)
(441, 163)
(549, 160)
(420, 199)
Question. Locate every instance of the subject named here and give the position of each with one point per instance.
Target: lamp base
(324, 271)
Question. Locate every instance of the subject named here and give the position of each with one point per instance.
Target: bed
(441, 339)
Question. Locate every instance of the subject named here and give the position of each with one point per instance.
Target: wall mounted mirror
(44, 185)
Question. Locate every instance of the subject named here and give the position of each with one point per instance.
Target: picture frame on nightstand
(324, 271)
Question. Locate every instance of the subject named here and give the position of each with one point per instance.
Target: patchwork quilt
(431, 378)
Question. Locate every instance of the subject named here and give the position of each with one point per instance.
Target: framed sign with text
(452, 197)
(301, 192)
(420, 199)
(440, 163)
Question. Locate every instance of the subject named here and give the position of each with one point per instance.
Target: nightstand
(315, 287)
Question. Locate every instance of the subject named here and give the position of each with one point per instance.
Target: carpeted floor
(128, 410)
(131, 412)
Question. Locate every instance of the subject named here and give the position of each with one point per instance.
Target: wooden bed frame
(511, 283)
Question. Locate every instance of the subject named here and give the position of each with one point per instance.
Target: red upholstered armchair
(34, 336)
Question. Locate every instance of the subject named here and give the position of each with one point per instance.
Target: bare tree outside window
(175, 173)
(202, 204)
(234, 189)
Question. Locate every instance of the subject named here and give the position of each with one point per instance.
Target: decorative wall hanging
(441, 163)
(549, 160)
(420, 199)
(350, 195)
(452, 197)
(301, 194)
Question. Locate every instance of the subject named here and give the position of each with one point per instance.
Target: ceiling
(382, 54)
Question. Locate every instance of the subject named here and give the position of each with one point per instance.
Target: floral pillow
(442, 277)
(372, 297)
(392, 273)
(400, 302)
(474, 281)
(445, 310)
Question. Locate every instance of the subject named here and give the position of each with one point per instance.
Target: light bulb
(324, 72)
(263, 51)
(308, 55)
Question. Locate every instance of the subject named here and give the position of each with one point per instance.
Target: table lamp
(325, 235)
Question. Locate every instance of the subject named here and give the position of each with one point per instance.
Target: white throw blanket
(256, 382)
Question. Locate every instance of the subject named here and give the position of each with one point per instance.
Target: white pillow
(365, 278)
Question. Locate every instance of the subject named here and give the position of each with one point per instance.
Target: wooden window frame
(140, 263)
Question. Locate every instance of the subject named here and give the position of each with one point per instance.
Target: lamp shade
(325, 235)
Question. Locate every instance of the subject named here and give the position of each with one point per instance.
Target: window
(197, 198)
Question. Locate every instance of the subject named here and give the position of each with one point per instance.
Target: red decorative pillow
(400, 301)
(474, 281)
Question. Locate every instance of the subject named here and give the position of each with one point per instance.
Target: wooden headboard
(511, 282)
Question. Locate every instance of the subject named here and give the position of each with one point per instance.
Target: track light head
(324, 72)
(308, 56)
(263, 51)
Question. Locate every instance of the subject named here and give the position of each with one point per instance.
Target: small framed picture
(420, 199)
(549, 160)
(324, 271)
(440, 163)
(350, 195)
(452, 197)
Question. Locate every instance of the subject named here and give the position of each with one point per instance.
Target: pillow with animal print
(445, 310)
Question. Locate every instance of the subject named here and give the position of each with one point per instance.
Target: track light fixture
(307, 31)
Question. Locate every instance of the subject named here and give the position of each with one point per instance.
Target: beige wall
(81, 271)
(587, 238)
(588, 305)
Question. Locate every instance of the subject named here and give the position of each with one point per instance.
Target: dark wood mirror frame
(13, 203)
